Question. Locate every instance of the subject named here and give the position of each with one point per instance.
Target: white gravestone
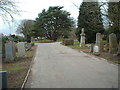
(96, 49)
(98, 38)
(82, 40)
(21, 49)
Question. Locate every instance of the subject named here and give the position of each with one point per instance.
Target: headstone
(10, 53)
(113, 43)
(82, 40)
(21, 49)
(118, 52)
(101, 46)
(3, 80)
(96, 49)
(98, 38)
(0, 46)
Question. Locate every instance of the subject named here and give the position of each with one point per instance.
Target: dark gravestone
(3, 80)
(0, 46)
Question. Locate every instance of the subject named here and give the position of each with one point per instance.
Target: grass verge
(110, 57)
(16, 71)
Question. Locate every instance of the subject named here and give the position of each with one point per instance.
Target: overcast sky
(31, 8)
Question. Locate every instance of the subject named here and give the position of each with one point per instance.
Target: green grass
(17, 65)
(35, 41)
(29, 53)
(59, 40)
(14, 67)
(77, 46)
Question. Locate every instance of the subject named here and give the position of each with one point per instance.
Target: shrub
(68, 42)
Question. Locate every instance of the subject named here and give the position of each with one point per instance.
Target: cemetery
(107, 50)
(16, 60)
(54, 48)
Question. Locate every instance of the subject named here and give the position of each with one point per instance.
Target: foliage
(90, 19)
(114, 16)
(53, 23)
(17, 38)
(25, 28)
(68, 42)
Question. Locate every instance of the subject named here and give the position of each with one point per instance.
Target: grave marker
(98, 38)
(10, 51)
(21, 49)
(96, 49)
(113, 43)
(3, 80)
(82, 40)
(101, 46)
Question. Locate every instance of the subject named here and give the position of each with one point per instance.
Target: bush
(68, 42)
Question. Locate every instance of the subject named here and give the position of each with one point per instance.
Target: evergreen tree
(53, 23)
(90, 19)
(114, 16)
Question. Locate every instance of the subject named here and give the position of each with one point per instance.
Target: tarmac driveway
(57, 66)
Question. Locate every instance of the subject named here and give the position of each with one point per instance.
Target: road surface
(57, 66)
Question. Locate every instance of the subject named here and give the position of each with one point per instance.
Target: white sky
(31, 8)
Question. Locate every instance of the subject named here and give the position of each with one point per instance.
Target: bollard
(3, 78)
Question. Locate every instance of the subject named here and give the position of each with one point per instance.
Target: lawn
(106, 55)
(43, 41)
(77, 47)
(17, 70)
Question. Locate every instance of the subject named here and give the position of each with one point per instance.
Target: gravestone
(21, 49)
(101, 46)
(10, 53)
(98, 38)
(3, 80)
(96, 50)
(118, 52)
(113, 43)
(0, 46)
(82, 40)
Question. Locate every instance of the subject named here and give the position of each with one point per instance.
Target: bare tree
(8, 8)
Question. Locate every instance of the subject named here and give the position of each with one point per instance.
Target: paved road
(57, 66)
